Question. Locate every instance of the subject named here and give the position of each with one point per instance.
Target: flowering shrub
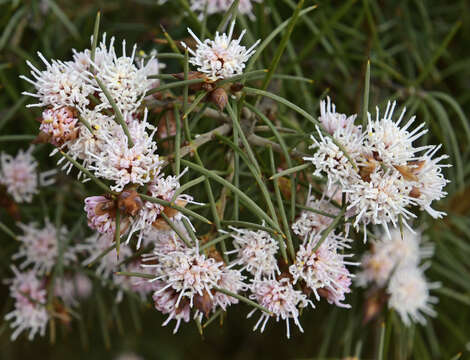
(213, 189)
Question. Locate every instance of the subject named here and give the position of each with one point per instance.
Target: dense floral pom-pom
(281, 299)
(409, 295)
(256, 252)
(222, 57)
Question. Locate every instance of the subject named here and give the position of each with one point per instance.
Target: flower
(165, 299)
(386, 255)
(280, 298)
(60, 125)
(126, 82)
(381, 200)
(30, 311)
(231, 280)
(18, 174)
(323, 268)
(163, 188)
(430, 181)
(390, 143)
(256, 252)
(101, 214)
(311, 223)
(330, 158)
(331, 120)
(220, 6)
(97, 245)
(187, 272)
(117, 162)
(222, 57)
(39, 247)
(409, 295)
(61, 84)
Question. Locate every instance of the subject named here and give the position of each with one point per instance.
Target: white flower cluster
(222, 57)
(394, 264)
(79, 119)
(381, 172)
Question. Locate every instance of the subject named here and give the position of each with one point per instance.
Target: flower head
(126, 82)
(187, 272)
(281, 299)
(18, 174)
(61, 125)
(389, 254)
(256, 252)
(39, 246)
(61, 84)
(123, 165)
(30, 297)
(331, 120)
(310, 223)
(165, 299)
(409, 295)
(323, 268)
(220, 6)
(222, 57)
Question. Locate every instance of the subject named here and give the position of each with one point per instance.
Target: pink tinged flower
(231, 280)
(331, 120)
(187, 272)
(29, 312)
(101, 214)
(222, 57)
(324, 269)
(256, 252)
(165, 300)
(311, 223)
(281, 299)
(61, 125)
(39, 247)
(18, 175)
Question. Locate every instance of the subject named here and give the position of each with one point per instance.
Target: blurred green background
(420, 55)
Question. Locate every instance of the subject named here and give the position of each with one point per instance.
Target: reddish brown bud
(203, 303)
(219, 97)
